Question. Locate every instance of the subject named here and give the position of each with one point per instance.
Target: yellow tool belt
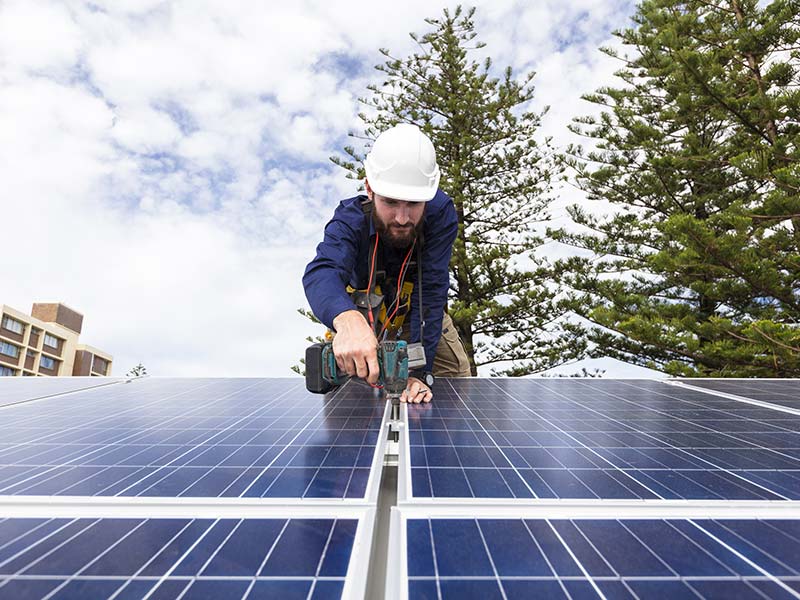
(381, 313)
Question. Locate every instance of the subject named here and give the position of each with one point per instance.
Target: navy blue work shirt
(343, 258)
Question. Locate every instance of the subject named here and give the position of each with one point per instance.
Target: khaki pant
(451, 358)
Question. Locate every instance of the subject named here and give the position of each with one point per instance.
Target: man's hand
(355, 346)
(416, 391)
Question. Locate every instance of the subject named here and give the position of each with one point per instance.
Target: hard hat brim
(408, 193)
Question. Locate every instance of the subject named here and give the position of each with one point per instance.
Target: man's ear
(369, 189)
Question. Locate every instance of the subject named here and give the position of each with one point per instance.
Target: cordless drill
(395, 358)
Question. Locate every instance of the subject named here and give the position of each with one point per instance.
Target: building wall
(68, 356)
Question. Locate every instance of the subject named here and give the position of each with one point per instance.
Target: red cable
(369, 285)
(400, 275)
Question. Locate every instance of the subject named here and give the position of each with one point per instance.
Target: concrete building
(46, 343)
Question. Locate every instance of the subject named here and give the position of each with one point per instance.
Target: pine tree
(696, 271)
(138, 371)
(496, 173)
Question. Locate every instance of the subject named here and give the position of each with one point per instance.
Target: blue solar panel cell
(778, 392)
(15, 390)
(88, 558)
(198, 438)
(599, 439)
(628, 558)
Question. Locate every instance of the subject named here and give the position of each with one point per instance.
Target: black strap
(419, 290)
(366, 206)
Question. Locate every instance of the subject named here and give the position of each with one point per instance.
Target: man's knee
(451, 358)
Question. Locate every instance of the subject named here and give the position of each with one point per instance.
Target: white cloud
(38, 36)
(167, 161)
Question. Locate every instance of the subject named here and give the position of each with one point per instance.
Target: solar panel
(126, 558)
(254, 488)
(14, 390)
(781, 392)
(266, 438)
(520, 558)
(530, 439)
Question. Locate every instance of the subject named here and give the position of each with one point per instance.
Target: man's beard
(395, 236)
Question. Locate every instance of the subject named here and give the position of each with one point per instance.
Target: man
(367, 253)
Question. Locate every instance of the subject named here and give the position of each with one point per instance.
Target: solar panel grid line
(6, 544)
(716, 465)
(405, 485)
(203, 442)
(44, 539)
(175, 459)
(324, 550)
(460, 466)
(670, 445)
(491, 562)
(495, 443)
(199, 561)
(161, 424)
(627, 565)
(738, 398)
(579, 564)
(215, 443)
(6, 383)
(180, 561)
(705, 391)
(775, 533)
(197, 408)
(320, 563)
(128, 389)
(377, 457)
(132, 435)
(747, 560)
(647, 549)
(264, 469)
(407, 464)
(435, 562)
(770, 473)
(773, 390)
(544, 555)
(98, 557)
(586, 446)
(225, 540)
(779, 533)
(153, 558)
(704, 405)
(350, 419)
(244, 418)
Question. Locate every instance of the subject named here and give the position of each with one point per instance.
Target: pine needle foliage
(696, 268)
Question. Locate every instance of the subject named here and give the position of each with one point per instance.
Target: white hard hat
(402, 165)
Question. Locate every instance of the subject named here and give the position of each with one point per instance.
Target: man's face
(398, 222)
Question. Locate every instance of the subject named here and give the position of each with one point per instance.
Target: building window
(13, 325)
(47, 363)
(100, 365)
(31, 353)
(50, 340)
(6, 372)
(9, 349)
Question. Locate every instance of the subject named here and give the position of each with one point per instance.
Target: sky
(165, 164)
